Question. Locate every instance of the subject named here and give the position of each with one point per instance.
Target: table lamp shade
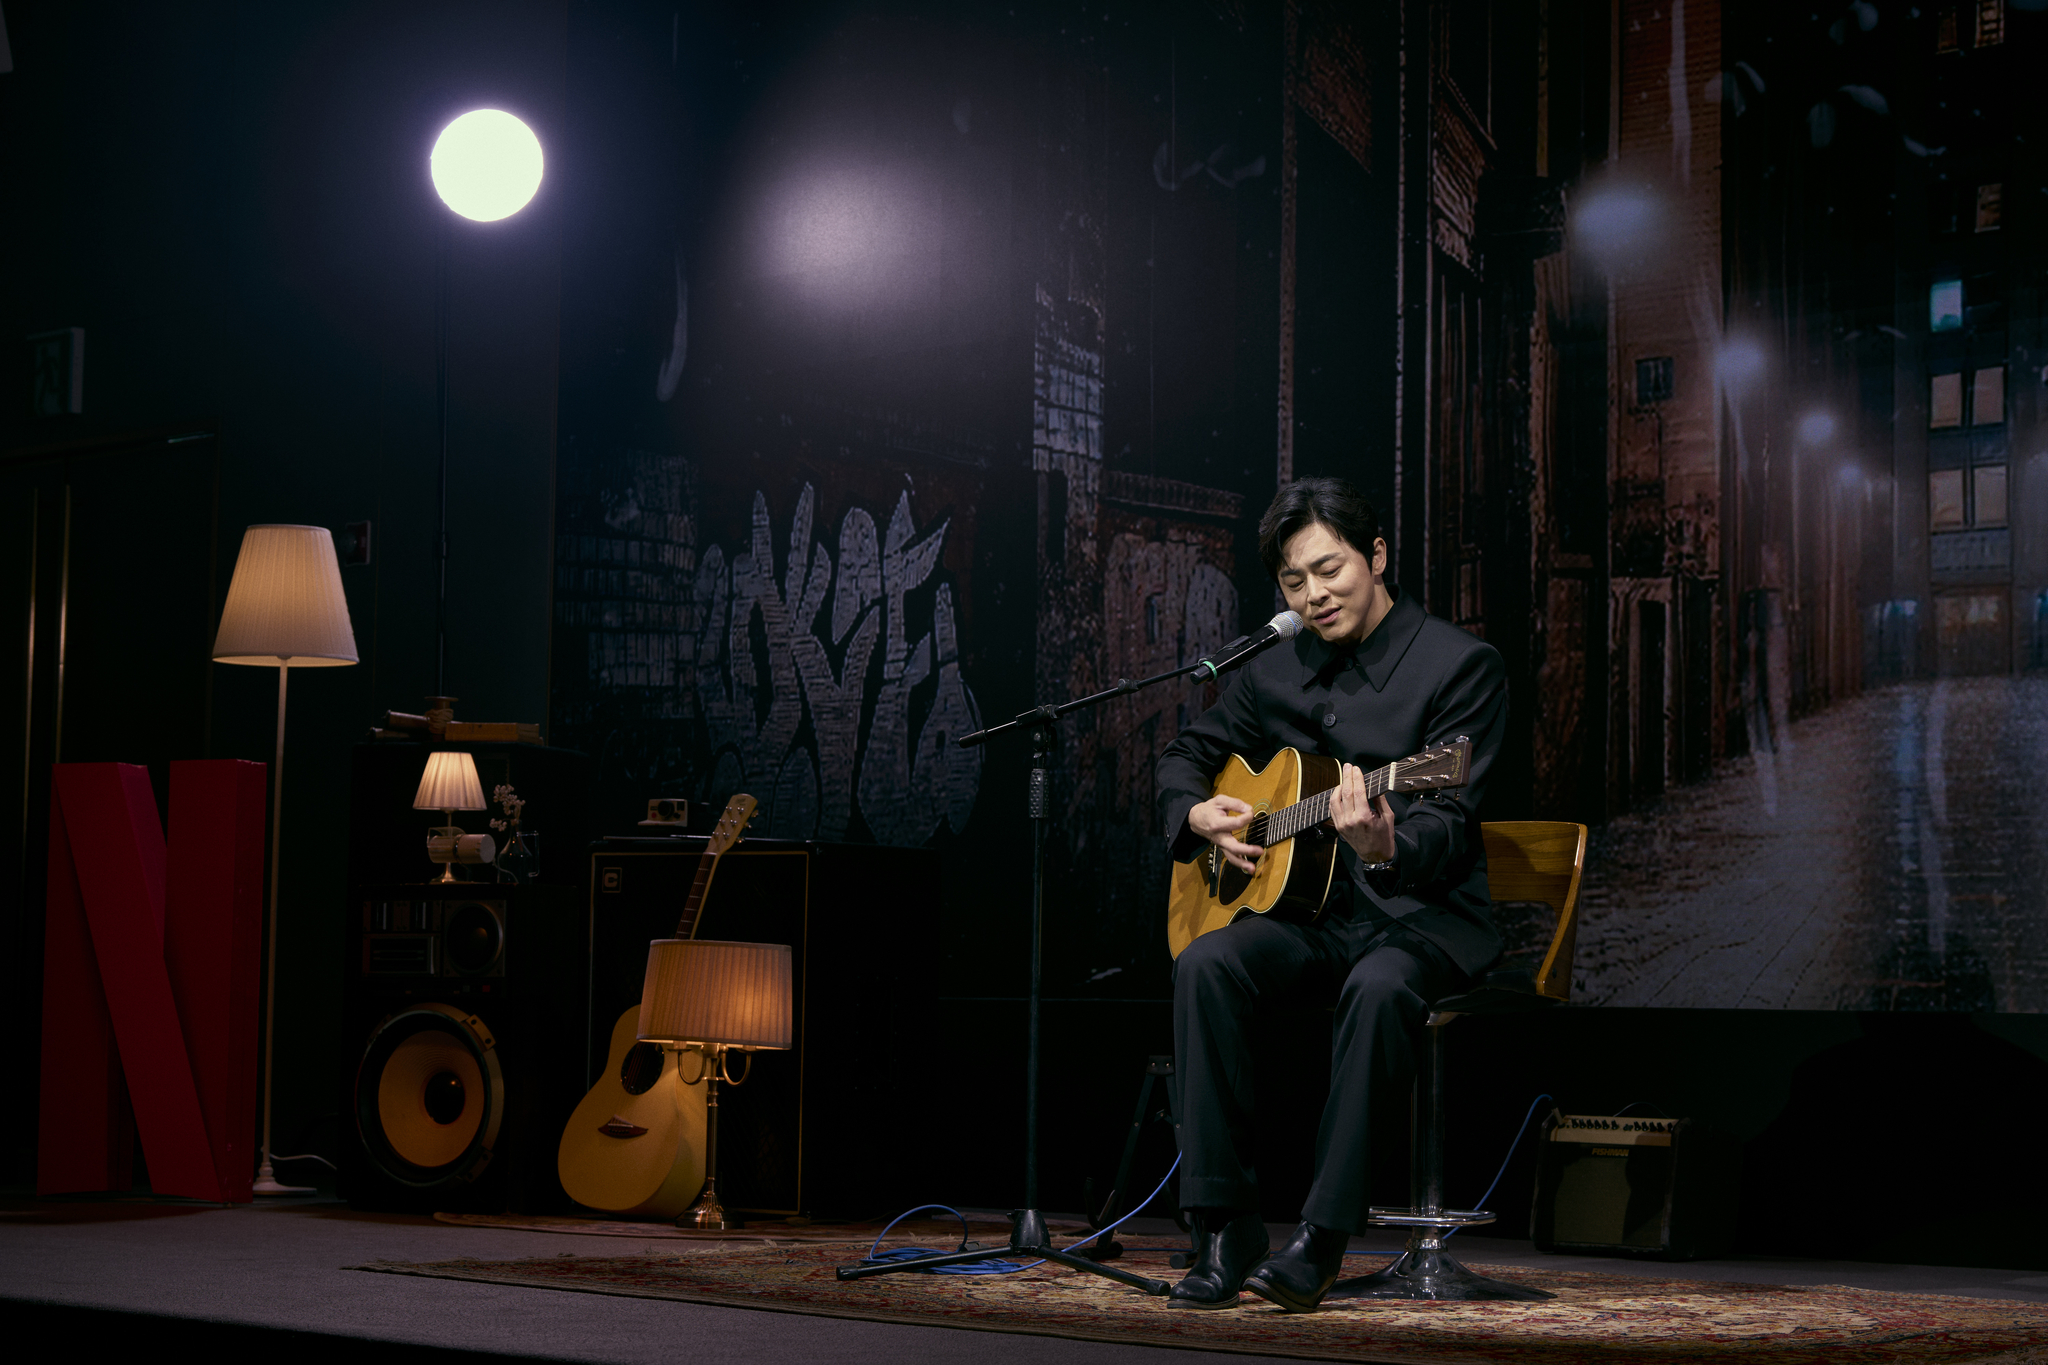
(706, 991)
(449, 783)
(285, 601)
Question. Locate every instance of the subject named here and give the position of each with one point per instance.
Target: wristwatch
(1387, 866)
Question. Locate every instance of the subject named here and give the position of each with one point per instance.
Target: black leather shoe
(1303, 1271)
(1226, 1246)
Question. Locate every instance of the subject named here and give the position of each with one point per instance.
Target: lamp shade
(449, 783)
(285, 601)
(706, 991)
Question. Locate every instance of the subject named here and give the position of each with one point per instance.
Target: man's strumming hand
(1221, 817)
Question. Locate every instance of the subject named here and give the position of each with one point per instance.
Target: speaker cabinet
(1657, 1188)
(820, 1129)
(465, 1005)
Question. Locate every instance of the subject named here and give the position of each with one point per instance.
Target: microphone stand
(1028, 1233)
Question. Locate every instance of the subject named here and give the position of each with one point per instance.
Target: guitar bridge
(619, 1128)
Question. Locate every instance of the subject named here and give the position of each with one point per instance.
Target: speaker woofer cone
(472, 938)
(430, 1096)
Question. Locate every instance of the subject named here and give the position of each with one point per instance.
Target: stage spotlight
(486, 165)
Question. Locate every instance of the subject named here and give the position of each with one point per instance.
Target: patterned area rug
(1605, 1319)
(774, 1231)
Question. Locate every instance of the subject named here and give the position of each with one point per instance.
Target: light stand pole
(486, 165)
(441, 460)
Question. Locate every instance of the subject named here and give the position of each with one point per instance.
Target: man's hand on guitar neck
(1216, 820)
(1365, 822)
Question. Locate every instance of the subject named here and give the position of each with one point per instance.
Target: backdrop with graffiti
(918, 369)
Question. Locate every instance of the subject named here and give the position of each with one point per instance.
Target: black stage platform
(106, 1274)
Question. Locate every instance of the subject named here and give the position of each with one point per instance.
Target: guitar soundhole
(641, 1069)
(1233, 880)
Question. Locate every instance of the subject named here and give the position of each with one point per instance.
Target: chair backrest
(1540, 860)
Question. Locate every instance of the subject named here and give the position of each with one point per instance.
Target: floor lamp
(285, 607)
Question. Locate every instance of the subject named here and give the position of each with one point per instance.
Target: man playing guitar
(1373, 678)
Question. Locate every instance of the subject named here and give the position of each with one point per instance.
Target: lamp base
(707, 1214)
(266, 1183)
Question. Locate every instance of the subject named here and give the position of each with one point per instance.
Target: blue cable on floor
(993, 1265)
(997, 1266)
(1507, 1158)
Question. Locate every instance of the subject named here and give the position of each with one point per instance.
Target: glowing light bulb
(486, 165)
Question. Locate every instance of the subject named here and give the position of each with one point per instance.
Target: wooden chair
(1526, 861)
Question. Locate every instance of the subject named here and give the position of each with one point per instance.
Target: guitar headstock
(1439, 766)
(732, 823)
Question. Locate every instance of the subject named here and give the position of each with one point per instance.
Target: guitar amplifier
(1657, 1188)
(809, 1132)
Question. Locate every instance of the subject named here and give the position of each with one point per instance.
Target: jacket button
(1329, 719)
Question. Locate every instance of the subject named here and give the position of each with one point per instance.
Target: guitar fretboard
(686, 927)
(1311, 811)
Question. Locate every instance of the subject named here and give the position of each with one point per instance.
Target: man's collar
(1376, 657)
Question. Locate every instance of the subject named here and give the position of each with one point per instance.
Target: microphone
(1285, 626)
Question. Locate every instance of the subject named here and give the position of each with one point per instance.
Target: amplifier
(1658, 1188)
(816, 1129)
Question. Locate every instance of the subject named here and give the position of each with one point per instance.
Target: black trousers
(1382, 984)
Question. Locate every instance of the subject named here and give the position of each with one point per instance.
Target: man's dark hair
(1332, 503)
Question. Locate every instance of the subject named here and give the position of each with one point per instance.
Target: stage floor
(272, 1277)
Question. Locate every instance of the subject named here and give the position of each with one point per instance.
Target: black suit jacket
(1415, 681)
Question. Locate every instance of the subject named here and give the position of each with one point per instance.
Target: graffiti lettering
(763, 667)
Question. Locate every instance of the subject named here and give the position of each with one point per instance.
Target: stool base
(1426, 1271)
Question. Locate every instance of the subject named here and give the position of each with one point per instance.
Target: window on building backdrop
(1990, 22)
(1989, 200)
(1987, 396)
(1946, 30)
(1988, 494)
(1945, 306)
(1945, 401)
(1469, 58)
(1945, 511)
(1655, 380)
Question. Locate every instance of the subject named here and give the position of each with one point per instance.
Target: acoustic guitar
(635, 1145)
(1290, 800)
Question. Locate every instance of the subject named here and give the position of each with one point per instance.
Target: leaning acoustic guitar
(1290, 798)
(635, 1145)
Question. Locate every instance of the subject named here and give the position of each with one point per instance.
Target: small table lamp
(448, 785)
(284, 607)
(720, 998)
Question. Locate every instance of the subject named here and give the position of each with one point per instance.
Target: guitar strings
(1310, 811)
